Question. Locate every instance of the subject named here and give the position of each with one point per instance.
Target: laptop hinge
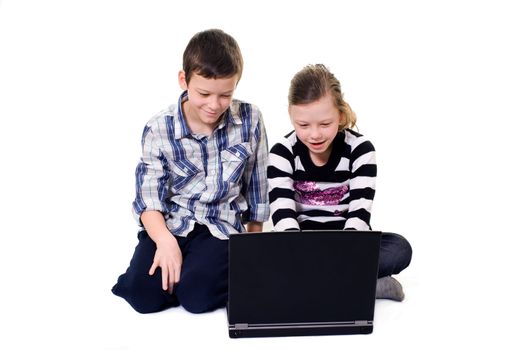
(246, 326)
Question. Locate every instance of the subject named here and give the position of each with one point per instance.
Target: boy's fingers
(177, 275)
(152, 268)
(171, 281)
(165, 278)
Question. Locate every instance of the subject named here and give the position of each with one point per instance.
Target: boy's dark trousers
(203, 284)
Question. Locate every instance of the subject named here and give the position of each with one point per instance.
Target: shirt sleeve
(151, 177)
(256, 191)
(280, 182)
(362, 186)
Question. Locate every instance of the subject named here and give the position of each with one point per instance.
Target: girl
(322, 175)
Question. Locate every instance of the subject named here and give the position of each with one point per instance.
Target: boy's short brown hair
(212, 54)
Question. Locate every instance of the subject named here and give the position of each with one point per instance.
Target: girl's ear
(182, 80)
(341, 118)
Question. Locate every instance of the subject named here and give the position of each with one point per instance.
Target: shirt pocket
(181, 176)
(234, 160)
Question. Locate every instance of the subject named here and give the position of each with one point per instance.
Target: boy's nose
(214, 103)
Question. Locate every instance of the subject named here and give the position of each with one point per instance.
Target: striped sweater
(337, 195)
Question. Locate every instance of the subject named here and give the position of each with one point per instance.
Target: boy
(201, 173)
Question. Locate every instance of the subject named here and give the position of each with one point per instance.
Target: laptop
(297, 283)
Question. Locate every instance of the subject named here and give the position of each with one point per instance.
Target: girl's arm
(362, 185)
(280, 182)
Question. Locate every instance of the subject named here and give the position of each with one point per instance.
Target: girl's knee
(395, 254)
(405, 247)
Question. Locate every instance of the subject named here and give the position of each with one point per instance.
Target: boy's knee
(144, 296)
(198, 304)
(146, 306)
(202, 296)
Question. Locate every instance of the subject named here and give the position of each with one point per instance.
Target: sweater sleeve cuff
(356, 224)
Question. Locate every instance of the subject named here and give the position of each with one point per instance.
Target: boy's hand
(254, 226)
(169, 258)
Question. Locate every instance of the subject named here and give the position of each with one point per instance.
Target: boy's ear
(182, 80)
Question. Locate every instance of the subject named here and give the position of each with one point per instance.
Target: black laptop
(302, 283)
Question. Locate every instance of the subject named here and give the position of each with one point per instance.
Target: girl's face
(316, 125)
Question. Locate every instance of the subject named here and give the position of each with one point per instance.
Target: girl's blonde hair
(312, 83)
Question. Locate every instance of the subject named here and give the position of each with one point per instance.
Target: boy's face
(316, 124)
(208, 99)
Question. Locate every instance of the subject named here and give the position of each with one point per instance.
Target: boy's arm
(362, 186)
(168, 255)
(152, 176)
(255, 188)
(282, 192)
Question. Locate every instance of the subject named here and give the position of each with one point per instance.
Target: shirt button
(238, 154)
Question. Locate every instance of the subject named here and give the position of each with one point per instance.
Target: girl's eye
(203, 94)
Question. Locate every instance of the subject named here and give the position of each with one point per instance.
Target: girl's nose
(315, 133)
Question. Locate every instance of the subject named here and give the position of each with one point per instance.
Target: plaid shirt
(215, 180)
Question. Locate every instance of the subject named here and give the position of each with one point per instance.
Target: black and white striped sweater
(336, 195)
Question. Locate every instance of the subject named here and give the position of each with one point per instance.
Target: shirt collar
(231, 115)
(184, 128)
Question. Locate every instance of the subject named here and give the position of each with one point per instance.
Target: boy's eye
(204, 94)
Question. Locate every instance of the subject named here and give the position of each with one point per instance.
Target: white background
(438, 87)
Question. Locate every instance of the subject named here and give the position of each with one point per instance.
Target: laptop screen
(302, 277)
